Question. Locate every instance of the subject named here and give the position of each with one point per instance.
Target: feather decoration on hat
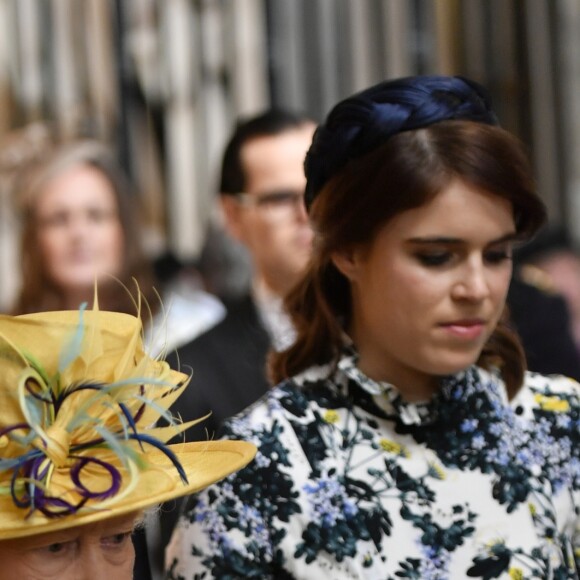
(79, 399)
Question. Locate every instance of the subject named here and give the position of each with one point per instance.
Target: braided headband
(364, 121)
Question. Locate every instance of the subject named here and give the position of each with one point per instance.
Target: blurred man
(262, 199)
(261, 195)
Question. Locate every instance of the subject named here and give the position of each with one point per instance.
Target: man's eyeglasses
(274, 203)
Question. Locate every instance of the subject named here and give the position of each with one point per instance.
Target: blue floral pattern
(351, 481)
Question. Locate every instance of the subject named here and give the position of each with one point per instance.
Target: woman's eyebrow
(59, 537)
(509, 237)
(435, 240)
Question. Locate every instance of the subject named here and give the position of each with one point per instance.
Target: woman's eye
(54, 221)
(434, 258)
(116, 540)
(497, 256)
(100, 215)
(55, 548)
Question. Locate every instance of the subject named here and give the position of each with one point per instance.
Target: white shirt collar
(276, 321)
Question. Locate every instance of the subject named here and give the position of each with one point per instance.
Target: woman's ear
(346, 262)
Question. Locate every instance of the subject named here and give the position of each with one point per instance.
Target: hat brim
(203, 462)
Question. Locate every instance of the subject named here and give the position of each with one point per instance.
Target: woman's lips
(466, 329)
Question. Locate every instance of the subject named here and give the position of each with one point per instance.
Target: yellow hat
(79, 399)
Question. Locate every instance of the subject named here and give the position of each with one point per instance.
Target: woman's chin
(84, 281)
(455, 364)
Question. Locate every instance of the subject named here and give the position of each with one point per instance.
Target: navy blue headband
(366, 120)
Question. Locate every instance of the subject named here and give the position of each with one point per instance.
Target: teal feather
(72, 350)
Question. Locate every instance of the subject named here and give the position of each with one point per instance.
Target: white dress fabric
(350, 481)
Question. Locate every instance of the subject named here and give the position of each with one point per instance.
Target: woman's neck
(381, 366)
(73, 299)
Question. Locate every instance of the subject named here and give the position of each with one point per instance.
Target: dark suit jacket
(543, 323)
(228, 364)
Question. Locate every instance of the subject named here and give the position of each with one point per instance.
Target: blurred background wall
(164, 80)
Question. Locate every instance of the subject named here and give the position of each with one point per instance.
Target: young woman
(408, 442)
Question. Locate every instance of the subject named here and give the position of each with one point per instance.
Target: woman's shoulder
(549, 393)
(290, 400)
(535, 382)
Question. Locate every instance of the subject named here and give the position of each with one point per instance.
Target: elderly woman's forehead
(99, 529)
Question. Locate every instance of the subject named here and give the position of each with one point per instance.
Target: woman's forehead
(106, 527)
(456, 209)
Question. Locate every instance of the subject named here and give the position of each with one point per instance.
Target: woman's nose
(78, 225)
(473, 284)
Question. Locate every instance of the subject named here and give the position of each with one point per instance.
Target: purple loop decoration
(51, 505)
(83, 490)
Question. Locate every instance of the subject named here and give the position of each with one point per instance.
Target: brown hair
(407, 171)
(38, 292)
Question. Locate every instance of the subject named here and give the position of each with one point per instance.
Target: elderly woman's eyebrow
(41, 541)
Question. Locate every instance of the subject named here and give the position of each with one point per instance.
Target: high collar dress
(351, 481)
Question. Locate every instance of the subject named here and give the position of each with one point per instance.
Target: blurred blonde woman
(81, 224)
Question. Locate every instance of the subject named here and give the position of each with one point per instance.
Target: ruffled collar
(454, 389)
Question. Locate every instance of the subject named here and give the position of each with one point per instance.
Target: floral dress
(350, 481)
